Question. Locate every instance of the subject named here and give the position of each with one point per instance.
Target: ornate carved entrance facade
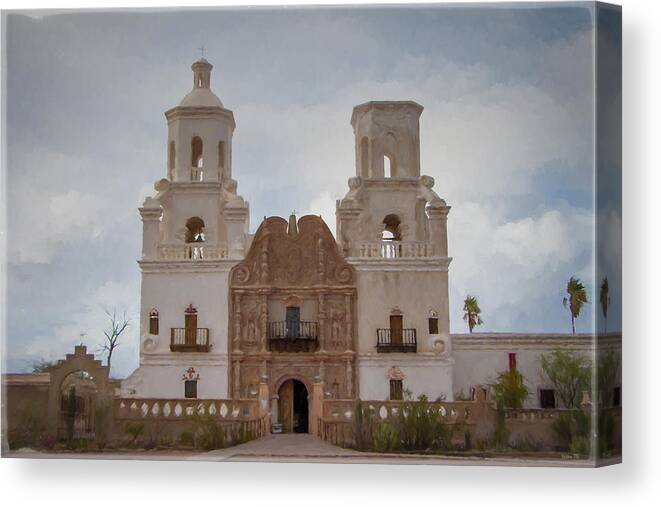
(292, 317)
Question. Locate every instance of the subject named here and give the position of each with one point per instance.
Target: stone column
(349, 379)
(236, 389)
(263, 320)
(321, 315)
(316, 406)
(438, 230)
(236, 341)
(349, 322)
(150, 214)
(236, 220)
(264, 403)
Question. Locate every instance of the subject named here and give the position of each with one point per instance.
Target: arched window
(197, 161)
(171, 157)
(364, 157)
(153, 321)
(194, 230)
(391, 228)
(196, 152)
(221, 154)
(388, 166)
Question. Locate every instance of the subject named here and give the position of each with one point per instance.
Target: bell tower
(200, 133)
(392, 227)
(195, 229)
(387, 139)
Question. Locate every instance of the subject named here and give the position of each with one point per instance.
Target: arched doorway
(78, 396)
(293, 406)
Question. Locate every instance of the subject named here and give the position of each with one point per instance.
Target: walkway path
(297, 448)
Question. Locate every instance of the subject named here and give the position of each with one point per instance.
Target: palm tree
(472, 312)
(605, 301)
(577, 297)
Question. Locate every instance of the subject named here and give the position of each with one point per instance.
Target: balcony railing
(196, 174)
(396, 340)
(394, 250)
(299, 336)
(193, 252)
(189, 340)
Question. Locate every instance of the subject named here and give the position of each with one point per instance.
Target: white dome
(201, 97)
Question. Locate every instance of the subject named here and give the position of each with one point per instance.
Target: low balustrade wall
(175, 415)
(336, 425)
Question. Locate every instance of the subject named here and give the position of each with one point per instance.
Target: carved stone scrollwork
(264, 262)
(237, 323)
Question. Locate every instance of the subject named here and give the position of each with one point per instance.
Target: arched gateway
(292, 319)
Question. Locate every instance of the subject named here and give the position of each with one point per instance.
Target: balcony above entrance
(287, 336)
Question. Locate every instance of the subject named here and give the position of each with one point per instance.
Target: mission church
(365, 314)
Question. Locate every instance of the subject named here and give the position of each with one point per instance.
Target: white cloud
(516, 266)
(90, 321)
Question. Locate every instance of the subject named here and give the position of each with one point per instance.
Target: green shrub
(500, 437)
(420, 427)
(134, 429)
(208, 433)
(580, 446)
(606, 438)
(187, 439)
(362, 427)
(102, 421)
(571, 426)
(510, 390)
(468, 444)
(29, 432)
(385, 438)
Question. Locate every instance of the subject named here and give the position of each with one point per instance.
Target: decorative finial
(202, 49)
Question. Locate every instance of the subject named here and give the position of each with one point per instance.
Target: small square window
(547, 398)
(396, 390)
(190, 389)
(433, 325)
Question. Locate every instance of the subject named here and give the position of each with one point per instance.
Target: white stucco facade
(391, 229)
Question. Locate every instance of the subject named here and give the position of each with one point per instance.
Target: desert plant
(570, 426)
(568, 372)
(580, 446)
(362, 427)
(577, 296)
(208, 433)
(472, 312)
(134, 429)
(29, 432)
(102, 421)
(385, 438)
(606, 432)
(420, 426)
(608, 369)
(187, 439)
(468, 441)
(510, 390)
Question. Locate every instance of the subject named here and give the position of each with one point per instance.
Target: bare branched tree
(116, 327)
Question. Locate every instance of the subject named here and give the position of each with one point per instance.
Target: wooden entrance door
(396, 325)
(191, 328)
(293, 407)
(286, 406)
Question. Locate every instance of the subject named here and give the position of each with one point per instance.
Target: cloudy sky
(507, 132)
